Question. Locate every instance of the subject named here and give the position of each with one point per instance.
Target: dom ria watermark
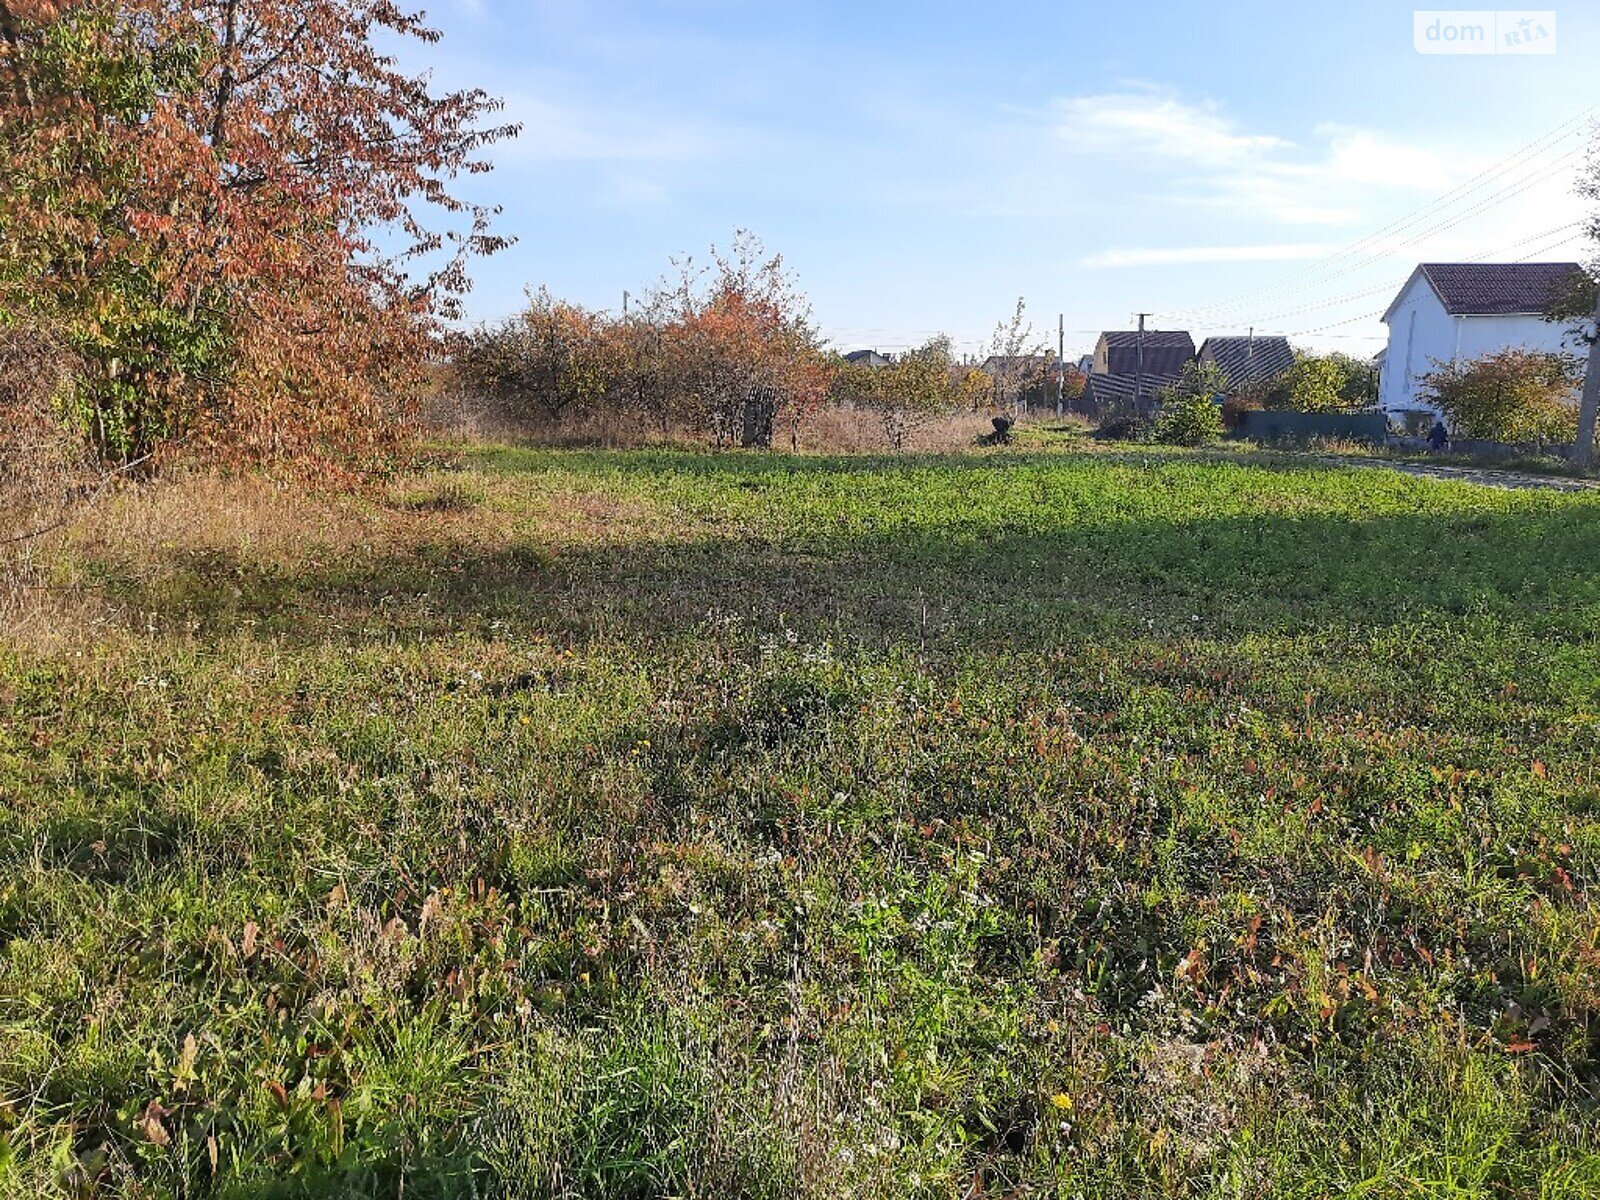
(1486, 31)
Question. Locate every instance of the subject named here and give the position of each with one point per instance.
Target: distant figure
(1438, 438)
(1001, 435)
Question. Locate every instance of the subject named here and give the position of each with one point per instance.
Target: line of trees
(725, 350)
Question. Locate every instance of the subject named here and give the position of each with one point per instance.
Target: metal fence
(1273, 425)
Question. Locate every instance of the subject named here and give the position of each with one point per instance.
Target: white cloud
(1155, 125)
(1165, 256)
(1364, 156)
(1153, 134)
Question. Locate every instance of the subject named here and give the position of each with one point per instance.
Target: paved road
(1487, 476)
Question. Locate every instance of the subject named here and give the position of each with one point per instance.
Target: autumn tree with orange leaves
(741, 350)
(553, 360)
(237, 214)
(726, 350)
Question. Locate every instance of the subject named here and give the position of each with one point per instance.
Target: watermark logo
(1484, 31)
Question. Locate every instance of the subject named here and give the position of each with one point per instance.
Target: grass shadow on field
(971, 584)
(1226, 810)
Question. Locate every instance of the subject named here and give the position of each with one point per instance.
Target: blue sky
(920, 166)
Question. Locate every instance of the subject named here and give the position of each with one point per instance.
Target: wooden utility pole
(1583, 449)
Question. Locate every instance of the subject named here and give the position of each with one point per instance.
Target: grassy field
(655, 824)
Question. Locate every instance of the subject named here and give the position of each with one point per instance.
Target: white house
(1456, 312)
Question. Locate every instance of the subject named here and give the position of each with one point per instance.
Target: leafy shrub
(1189, 413)
(36, 368)
(919, 387)
(1188, 421)
(1512, 396)
(1315, 385)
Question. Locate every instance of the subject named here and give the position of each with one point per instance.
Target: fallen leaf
(149, 1124)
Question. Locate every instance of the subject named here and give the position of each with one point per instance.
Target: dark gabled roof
(870, 357)
(1111, 389)
(1165, 351)
(1247, 360)
(1494, 289)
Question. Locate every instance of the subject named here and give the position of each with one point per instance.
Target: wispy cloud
(1154, 124)
(563, 131)
(1168, 256)
(1152, 134)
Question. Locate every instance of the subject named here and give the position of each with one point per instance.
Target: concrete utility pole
(1138, 378)
(624, 302)
(1583, 449)
(1061, 364)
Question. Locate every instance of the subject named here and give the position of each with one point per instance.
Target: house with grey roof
(1130, 366)
(1248, 360)
(867, 358)
(1457, 312)
(1153, 351)
(1117, 395)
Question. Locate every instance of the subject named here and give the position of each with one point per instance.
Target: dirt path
(1486, 476)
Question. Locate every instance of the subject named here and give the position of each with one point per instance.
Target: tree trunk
(759, 409)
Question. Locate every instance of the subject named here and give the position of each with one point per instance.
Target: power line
(1463, 191)
(1406, 221)
(1380, 257)
(1443, 227)
(1390, 286)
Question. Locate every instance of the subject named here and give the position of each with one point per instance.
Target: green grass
(662, 825)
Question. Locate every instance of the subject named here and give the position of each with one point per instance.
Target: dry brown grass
(855, 431)
(456, 417)
(138, 530)
(830, 430)
(41, 471)
(202, 510)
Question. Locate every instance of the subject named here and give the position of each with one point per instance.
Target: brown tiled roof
(1498, 289)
